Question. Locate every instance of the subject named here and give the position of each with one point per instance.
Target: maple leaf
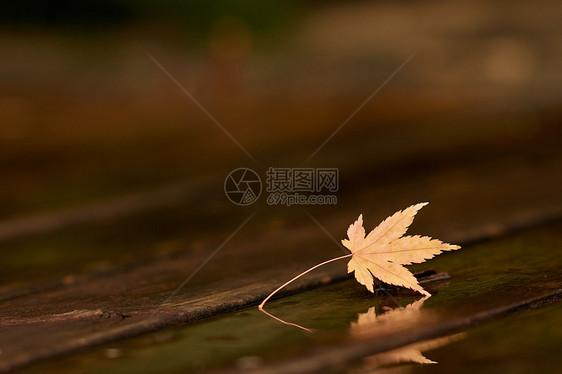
(383, 252)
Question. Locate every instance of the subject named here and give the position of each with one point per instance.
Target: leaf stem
(260, 307)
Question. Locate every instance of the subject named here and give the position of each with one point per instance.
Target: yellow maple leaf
(383, 252)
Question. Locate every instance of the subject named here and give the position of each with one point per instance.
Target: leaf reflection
(370, 325)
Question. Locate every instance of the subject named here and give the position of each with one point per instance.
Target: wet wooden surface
(89, 308)
(489, 281)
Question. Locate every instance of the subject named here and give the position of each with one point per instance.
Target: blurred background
(104, 160)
